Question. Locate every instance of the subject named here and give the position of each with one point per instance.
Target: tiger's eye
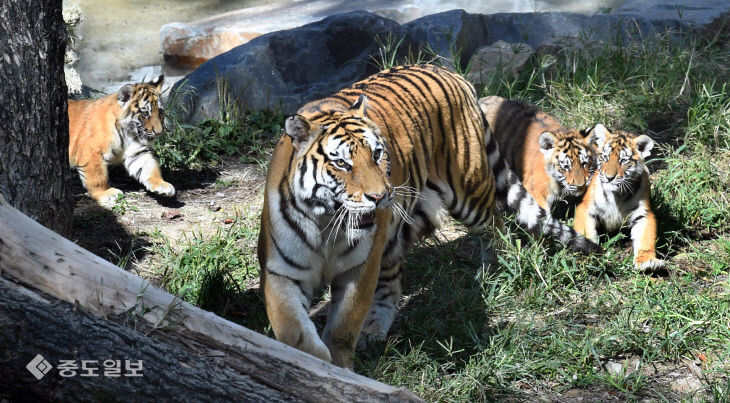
(377, 154)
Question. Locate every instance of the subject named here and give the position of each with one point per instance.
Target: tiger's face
(342, 168)
(621, 157)
(142, 111)
(569, 159)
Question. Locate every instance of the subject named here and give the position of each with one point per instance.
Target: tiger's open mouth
(366, 220)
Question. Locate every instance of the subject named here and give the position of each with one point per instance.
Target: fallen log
(42, 266)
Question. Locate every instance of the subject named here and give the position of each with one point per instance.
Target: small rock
(688, 384)
(614, 368)
(171, 215)
(500, 56)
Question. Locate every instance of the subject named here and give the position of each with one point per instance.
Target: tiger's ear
(158, 82)
(644, 144)
(598, 135)
(124, 94)
(360, 106)
(298, 128)
(547, 142)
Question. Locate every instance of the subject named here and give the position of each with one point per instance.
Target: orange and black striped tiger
(357, 177)
(116, 129)
(620, 194)
(549, 158)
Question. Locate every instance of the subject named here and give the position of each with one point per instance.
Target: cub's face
(342, 170)
(621, 157)
(142, 115)
(569, 159)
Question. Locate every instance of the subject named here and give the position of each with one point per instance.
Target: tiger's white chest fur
(320, 254)
(613, 208)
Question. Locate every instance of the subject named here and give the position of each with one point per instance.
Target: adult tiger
(115, 129)
(360, 175)
(549, 158)
(620, 193)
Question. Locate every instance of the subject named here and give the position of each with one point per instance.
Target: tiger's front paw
(649, 264)
(163, 188)
(107, 198)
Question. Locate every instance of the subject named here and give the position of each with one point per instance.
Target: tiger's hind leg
(384, 307)
(489, 239)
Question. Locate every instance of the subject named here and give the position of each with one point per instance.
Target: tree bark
(57, 330)
(33, 255)
(34, 167)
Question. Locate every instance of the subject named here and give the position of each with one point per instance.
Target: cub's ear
(644, 144)
(158, 82)
(598, 135)
(547, 142)
(360, 106)
(299, 129)
(124, 94)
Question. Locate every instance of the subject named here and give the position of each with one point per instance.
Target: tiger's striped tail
(515, 198)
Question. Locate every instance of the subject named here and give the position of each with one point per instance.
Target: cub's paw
(164, 189)
(649, 264)
(107, 198)
(585, 246)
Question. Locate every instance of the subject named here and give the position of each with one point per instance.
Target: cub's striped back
(549, 158)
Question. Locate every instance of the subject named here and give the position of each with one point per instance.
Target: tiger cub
(116, 129)
(355, 179)
(548, 157)
(619, 192)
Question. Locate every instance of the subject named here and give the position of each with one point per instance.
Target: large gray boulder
(285, 69)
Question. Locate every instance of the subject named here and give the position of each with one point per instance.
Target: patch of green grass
(536, 321)
(211, 271)
(249, 137)
(693, 190)
(121, 205)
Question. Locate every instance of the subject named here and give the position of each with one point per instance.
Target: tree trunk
(189, 342)
(57, 330)
(34, 166)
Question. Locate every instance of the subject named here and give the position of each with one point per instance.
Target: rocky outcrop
(286, 69)
(191, 43)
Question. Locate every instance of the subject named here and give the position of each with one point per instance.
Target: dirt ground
(204, 202)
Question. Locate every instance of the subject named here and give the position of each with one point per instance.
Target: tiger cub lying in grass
(115, 129)
(548, 157)
(620, 191)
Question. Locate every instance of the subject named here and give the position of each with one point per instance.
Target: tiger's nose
(375, 197)
(610, 177)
